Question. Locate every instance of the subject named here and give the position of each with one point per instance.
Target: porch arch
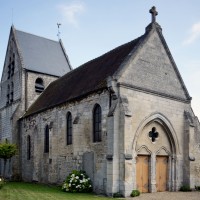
(171, 153)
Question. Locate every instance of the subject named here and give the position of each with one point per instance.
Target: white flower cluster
(77, 182)
(1, 182)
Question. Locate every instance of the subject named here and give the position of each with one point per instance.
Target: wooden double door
(142, 173)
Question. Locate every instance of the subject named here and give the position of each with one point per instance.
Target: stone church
(124, 117)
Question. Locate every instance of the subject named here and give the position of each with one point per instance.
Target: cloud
(70, 12)
(194, 34)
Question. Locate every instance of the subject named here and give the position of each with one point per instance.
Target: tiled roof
(83, 80)
(42, 55)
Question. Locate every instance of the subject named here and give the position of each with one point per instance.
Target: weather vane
(58, 24)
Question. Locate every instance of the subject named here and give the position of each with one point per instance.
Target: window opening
(39, 85)
(13, 65)
(28, 147)
(12, 92)
(97, 124)
(69, 128)
(8, 95)
(46, 139)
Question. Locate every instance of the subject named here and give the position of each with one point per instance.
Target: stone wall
(150, 86)
(144, 107)
(194, 151)
(53, 167)
(9, 110)
(23, 96)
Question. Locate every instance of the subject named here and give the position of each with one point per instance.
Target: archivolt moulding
(162, 120)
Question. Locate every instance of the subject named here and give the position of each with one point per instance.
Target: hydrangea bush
(77, 181)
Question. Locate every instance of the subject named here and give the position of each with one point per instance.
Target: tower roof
(42, 55)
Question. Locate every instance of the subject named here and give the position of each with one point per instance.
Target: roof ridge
(36, 35)
(111, 51)
(87, 78)
(99, 57)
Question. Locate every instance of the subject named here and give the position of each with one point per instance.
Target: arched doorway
(154, 148)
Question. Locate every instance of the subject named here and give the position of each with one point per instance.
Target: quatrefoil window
(153, 134)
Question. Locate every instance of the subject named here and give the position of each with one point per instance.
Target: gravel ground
(168, 196)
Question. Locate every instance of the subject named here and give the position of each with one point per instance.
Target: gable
(153, 70)
(9, 58)
(11, 78)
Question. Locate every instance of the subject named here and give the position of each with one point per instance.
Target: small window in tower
(9, 70)
(13, 65)
(12, 92)
(8, 95)
(39, 85)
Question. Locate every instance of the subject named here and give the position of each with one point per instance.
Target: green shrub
(197, 188)
(185, 188)
(2, 182)
(77, 181)
(135, 193)
(7, 151)
(117, 195)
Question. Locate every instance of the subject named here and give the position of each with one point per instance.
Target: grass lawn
(31, 191)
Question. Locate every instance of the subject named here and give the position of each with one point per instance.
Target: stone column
(191, 156)
(169, 184)
(178, 170)
(128, 175)
(134, 171)
(153, 173)
(127, 165)
(173, 174)
(113, 155)
(189, 143)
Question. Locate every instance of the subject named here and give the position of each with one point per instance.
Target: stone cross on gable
(153, 134)
(153, 13)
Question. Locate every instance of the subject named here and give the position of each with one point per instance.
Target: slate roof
(42, 55)
(83, 80)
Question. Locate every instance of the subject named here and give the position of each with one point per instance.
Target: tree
(7, 151)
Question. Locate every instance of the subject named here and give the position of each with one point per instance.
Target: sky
(90, 28)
